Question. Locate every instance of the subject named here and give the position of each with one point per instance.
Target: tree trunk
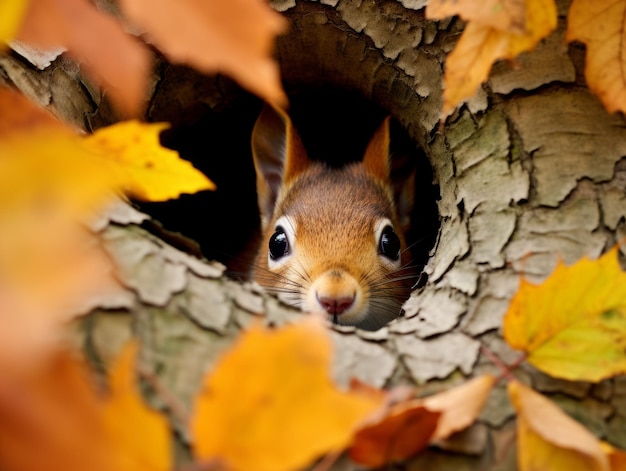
(530, 170)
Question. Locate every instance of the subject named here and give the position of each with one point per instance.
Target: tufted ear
(278, 154)
(397, 171)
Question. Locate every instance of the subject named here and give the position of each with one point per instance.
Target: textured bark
(530, 170)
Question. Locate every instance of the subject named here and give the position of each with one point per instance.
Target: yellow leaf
(236, 38)
(141, 435)
(459, 406)
(599, 24)
(547, 438)
(481, 44)
(270, 405)
(11, 15)
(131, 151)
(573, 325)
(52, 417)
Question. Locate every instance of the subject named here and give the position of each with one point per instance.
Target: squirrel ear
(398, 172)
(278, 156)
(376, 158)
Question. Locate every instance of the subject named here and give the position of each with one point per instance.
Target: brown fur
(335, 255)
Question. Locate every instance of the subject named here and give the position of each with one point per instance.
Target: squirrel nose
(335, 305)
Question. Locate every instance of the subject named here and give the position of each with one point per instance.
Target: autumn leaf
(234, 37)
(504, 15)
(97, 41)
(51, 181)
(573, 325)
(270, 404)
(599, 24)
(616, 457)
(459, 406)
(547, 438)
(52, 417)
(146, 170)
(141, 436)
(482, 43)
(404, 431)
(11, 15)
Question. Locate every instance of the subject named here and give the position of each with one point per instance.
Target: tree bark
(530, 170)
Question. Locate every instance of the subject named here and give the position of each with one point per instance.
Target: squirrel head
(333, 238)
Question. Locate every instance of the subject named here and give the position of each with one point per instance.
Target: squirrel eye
(279, 244)
(390, 243)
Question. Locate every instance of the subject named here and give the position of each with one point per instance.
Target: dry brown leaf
(275, 385)
(112, 58)
(599, 24)
(480, 45)
(547, 438)
(503, 15)
(235, 37)
(459, 406)
(405, 430)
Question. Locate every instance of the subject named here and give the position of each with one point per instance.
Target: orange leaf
(403, 432)
(617, 458)
(549, 439)
(459, 406)
(235, 37)
(270, 404)
(481, 44)
(599, 24)
(114, 59)
(573, 325)
(52, 418)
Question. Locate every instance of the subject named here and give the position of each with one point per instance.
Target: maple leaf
(405, 430)
(599, 24)
(503, 15)
(11, 15)
(234, 37)
(573, 325)
(270, 404)
(459, 406)
(52, 417)
(482, 43)
(112, 58)
(547, 438)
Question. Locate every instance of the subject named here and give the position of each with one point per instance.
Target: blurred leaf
(53, 418)
(547, 438)
(407, 429)
(599, 24)
(235, 37)
(459, 406)
(11, 16)
(270, 405)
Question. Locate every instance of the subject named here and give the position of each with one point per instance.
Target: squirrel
(333, 239)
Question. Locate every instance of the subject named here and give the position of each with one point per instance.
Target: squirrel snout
(336, 293)
(335, 305)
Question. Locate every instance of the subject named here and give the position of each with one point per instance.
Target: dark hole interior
(335, 126)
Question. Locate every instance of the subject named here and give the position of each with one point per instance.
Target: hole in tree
(335, 126)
